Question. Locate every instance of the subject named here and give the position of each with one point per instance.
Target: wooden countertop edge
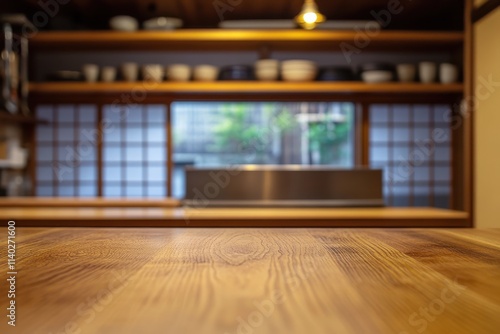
(186, 217)
(52, 202)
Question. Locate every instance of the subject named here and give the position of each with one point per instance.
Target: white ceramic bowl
(298, 74)
(448, 73)
(162, 23)
(153, 72)
(267, 74)
(123, 23)
(108, 74)
(406, 72)
(267, 63)
(130, 71)
(295, 64)
(179, 72)
(205, 73)
(377, 76)
(427, 71)
(90, 72)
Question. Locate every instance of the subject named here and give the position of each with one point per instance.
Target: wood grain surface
(402, 281)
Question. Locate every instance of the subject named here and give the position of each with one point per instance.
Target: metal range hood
(283, 186)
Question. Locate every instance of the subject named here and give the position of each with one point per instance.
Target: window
(66, 151)
(121, 151)
(222, 134)
(412, 144)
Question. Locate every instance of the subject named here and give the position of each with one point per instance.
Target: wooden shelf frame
(225, 39)
(19, 119)
(53, 92)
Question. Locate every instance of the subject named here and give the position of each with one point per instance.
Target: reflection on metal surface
(283, 186)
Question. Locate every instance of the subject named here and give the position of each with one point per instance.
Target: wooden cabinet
(419, 42)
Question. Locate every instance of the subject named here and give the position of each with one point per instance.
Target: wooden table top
(131, 280)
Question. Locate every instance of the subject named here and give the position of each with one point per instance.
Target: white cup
(427, 71)
(130, 71)
(108, 74)
(205, 73)
(179, 72)
(448, 73)
(152, 72)
(90, 72)
(267, 69)
(406, 72)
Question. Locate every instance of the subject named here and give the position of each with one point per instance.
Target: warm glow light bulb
(310, 17)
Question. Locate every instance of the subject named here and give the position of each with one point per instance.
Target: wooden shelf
(75, 202)
(224, 217)
(10, 118)
(225, 89)
(221, 39)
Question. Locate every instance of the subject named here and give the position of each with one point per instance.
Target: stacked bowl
(299, 70)
(267, 69)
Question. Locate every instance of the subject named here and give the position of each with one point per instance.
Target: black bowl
(335, 73)
(237, 72)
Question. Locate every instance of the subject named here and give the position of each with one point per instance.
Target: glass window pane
(87, 191)
(421, 196)
(442, 173)
(157, 173)
(88, 173)
(379, 113)
(44, 173)
(66, 134)
(45, 113)
(134, 174)
(422, 173)
(156, 134)
(112, 191)
(442, 114)
(45, 153)
(379, 154)
(87, 114)
(156, 191)
(401, 134)
(46, 191)
(401, 113)
(113, 134)
(112, 174)
(442, 197)
(156, 114)
(421, 114)
(66, 114)
(134, 191)
(112, 153)
(379, 135)
(133, 135)
(87, 153)
(135, 114)
(66, 191)
(44, 133)
(156, 154)
(442, 153)
(401, 195)
(134, 154)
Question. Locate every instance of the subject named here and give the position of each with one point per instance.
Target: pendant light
(309, 17)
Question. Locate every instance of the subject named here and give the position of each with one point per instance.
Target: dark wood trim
(170, 150)
(483, 10)
(468, 119)
(365, 136)
(99, 150)
(268, 223)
